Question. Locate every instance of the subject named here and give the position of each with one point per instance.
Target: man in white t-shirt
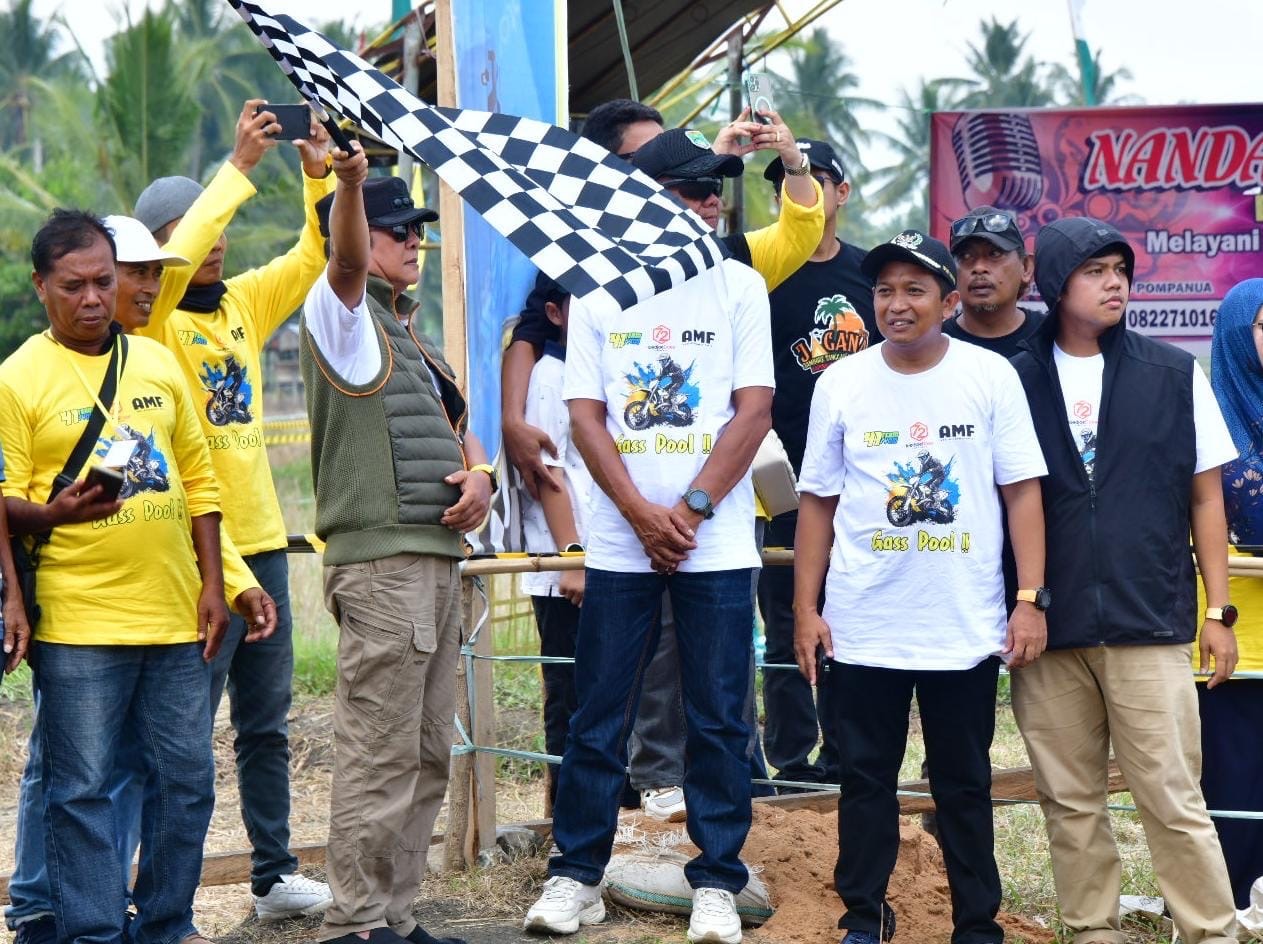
(911, 447)
(1134, 441)
(669, 401)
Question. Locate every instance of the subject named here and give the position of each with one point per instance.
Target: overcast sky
(1177, 51)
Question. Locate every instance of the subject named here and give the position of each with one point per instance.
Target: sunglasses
(401, 232)
(992, 223)
(698, 188)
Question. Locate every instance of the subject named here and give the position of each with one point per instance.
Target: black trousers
(1232, 775)
(792, 728)
(957, 708)
(558, 622)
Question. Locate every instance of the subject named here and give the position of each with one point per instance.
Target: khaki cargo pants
(398, 654)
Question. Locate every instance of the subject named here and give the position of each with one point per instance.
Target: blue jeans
(619, 626)
(90, 698)
(29, 894)
(260, 676)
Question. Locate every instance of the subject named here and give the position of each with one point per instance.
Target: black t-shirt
(820, 314)
(1005, 345)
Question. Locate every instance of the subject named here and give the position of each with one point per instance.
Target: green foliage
(145, 104)
(22, 313)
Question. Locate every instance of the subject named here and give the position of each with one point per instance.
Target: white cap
(136, 244)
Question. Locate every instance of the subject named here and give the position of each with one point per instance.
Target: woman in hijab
(1232, 714)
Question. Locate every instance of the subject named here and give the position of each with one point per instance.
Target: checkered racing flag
(604, 231)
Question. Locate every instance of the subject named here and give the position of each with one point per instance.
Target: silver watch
(802, 170)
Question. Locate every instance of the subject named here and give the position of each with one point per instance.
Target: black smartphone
(110, 480)
(758, 95)
(295, 120)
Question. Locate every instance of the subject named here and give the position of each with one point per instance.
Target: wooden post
(460, 847)
(459, 792)
(484, 728)
(450, 211)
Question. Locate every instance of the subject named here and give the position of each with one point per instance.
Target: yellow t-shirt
(1246, 594)
(220, 354)
(131, 579)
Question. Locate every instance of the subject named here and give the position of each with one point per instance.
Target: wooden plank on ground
(1015, 783)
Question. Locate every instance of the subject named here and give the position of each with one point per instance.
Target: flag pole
(1087, 67)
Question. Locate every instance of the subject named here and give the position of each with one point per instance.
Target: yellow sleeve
(194, 237)
(18, 439)
(779, 250)
(192, 457)
(274, 291)
(238, 578)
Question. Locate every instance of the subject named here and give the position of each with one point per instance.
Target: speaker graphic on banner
(998, 160)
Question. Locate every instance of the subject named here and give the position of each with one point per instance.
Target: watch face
(1229, 618)
(1043, 598)
(696, 500)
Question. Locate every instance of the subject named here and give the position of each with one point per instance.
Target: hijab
(1236, 376)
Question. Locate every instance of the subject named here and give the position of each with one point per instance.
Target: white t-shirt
(345, 337)
(914, 577)
(1081, 381)
(546, 409)
(666, 370)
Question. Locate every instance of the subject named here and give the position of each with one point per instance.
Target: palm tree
(818, 98)
(1004, 77)
(28, 51)
(1069, 85)
(147, 107)
(907, 180)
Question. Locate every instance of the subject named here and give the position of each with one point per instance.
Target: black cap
(684, 154)
(998, 227)
(1064, 245)
(919, 249)
(387, 203)
(821, 155)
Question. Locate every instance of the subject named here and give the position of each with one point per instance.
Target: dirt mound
(797, 850)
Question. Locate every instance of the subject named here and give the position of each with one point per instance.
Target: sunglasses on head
(991, 223)
(698, 188)
(401, 232)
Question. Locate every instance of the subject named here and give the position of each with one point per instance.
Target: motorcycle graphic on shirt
(230, 393)
(1088, 452)
(660, 394)
(927, 493)
(146, 470)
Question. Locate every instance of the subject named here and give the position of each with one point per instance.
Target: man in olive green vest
(399, 479)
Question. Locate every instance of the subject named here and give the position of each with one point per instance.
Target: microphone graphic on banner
(998, 160)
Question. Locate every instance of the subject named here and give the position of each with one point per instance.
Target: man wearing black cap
(399, 478)
(820, 314)
(674, 514)
(993, 272)
(911, 446)
(1134, 441)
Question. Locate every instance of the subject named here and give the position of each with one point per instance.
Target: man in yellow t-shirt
(131, 591)
(217, 333)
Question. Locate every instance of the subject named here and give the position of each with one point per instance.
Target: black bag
(26, 559)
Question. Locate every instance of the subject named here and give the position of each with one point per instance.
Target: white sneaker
(291, 897)
(664, 803)
(714, 919)
(564, 905)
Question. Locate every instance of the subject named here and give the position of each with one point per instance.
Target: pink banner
(1182, 183)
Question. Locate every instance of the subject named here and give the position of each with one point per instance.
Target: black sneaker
(420, 935)
(375, 936)
(38, 931)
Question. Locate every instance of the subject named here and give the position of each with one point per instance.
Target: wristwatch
(802, 170)
(574, 547)
(1226, 614)
(491, 474)
(1040, 596)
(699, 501)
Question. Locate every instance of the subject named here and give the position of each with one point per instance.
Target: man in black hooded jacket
(1117, 669)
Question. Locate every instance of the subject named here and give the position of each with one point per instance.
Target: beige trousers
(398, 655)
(1070, 705)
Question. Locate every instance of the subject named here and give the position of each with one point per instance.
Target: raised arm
(348, 228)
